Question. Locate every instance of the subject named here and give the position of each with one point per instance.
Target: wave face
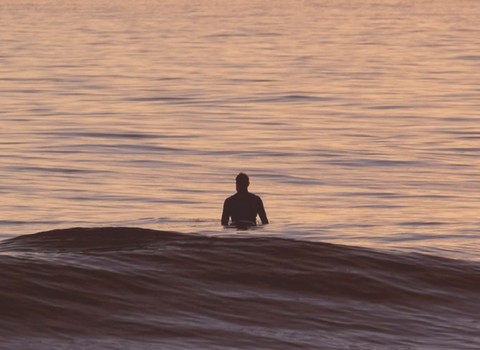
(131, 288)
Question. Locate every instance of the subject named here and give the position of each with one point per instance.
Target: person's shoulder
(232, 197)
(253, 195)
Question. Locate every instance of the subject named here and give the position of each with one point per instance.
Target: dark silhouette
(243, 206)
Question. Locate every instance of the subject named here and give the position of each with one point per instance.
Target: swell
(146, 283)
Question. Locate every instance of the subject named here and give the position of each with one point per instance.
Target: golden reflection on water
(356, 121)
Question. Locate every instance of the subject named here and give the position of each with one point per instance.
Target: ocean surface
(124, 124)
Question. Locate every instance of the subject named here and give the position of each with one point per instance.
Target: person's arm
(225, 213)
(261, 212)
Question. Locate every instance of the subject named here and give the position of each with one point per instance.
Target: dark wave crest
(242, 292)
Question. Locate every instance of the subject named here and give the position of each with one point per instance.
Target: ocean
(124, 124)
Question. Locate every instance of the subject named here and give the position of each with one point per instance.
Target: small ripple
(294, 98)
(422, 223)
(171, 100)
(35, 169)
(468, 57)
(388, 107)
(378, 163)
(101, 135)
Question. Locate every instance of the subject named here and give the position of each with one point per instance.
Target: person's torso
(244, 207)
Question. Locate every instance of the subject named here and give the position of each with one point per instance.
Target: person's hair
(242, 179)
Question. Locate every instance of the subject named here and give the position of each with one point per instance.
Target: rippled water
(357, 121)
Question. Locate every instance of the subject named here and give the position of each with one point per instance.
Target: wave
(232, 291)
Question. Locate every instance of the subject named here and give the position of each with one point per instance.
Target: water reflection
(354, 118)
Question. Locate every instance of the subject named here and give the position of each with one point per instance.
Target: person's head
(243, 182)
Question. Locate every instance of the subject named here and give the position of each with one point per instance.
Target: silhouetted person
(243, 206)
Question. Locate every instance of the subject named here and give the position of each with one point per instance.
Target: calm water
(358, 123)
